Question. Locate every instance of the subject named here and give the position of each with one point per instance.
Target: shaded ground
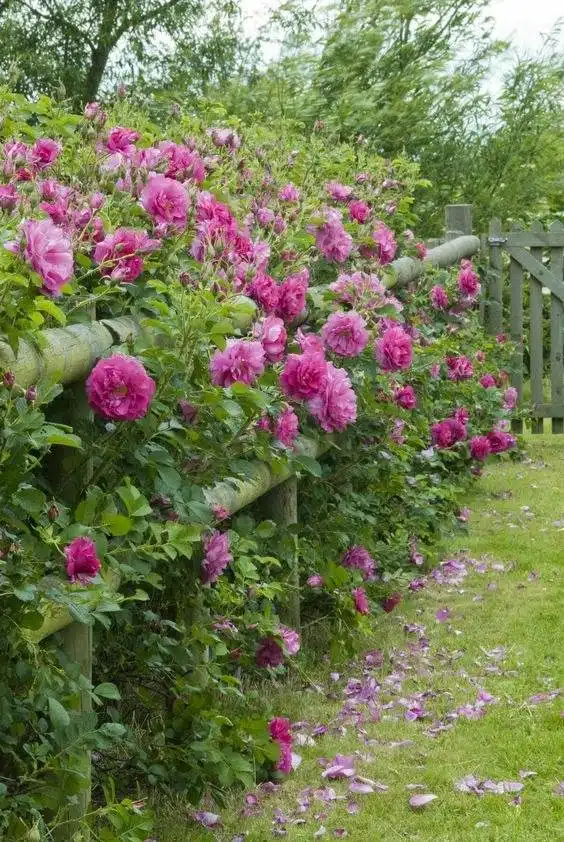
(423, 722)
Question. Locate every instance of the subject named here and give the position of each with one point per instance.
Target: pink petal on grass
(559, 789)
(341, 767)
(442, 615)
(210, 820)
(421, 800)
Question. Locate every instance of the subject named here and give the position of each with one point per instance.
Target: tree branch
(131, 23)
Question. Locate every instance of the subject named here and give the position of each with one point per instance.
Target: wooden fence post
(281, 506)
(494, 303)
(73, 471)
(458, 220)
(556, 335)
(516, 282)
(536, 343)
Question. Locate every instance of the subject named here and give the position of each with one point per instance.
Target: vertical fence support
(516, 281)
(281, 506)
(494, 303)
(74, 469)
(536, 337)
(556, 334)
(458, 220)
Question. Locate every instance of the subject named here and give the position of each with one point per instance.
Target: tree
(83, 45)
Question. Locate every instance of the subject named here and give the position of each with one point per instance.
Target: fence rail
(67, 355)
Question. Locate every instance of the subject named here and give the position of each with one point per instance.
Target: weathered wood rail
(67, 355)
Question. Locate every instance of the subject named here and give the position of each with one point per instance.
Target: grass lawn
(517, 522)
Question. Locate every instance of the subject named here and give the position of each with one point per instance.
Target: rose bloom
(292, 295)
(358, 558)
(48, 251)
(119, 254)
(390, 602)
(309, 342)
(290, 638)
(188, 410)
(242, 361)
(8, 197)
(448, 432)
(82, 561)
(405, 397)
(269, 653)
(289, 193)
(397, 435)
(468, 282)
(304, 376)
(439, 298)
(287, 427)
(480, 448)
(360, 601)
(417, 584)
(345, 334)
(272, 335)
(459, 368)
(421, 250)
(120, 389)
(359, 211)
(510, 398)
(166, 201)
(394, 350)
(339, 192)
(265, 291)
(217, 556)
(461, 414)
(435, 371)
(334, 243)
(122, 140)
(279, 729)
(335, 407)
(43, 153)
(487, 381)
(385, 244)
(265, 216)
(500, 441)
(315, 581)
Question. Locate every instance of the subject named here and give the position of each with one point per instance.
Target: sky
(524, 20)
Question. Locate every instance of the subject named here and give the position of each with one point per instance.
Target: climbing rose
(225, 137)
(265, 291)
(188, 410)
(265, 216)
(292, 295)
(241, 362)
(345, 334)
(315, 581)
(510, 398)
(339, 192)
(8, 197)
(439, 298)
(397, 433)
(448, 432)
(269, 653)
(290, 638)
(217, 556)
(118, 254)
(273, 336)
(167, 202)
(385, 244)
(359, 211)
(82, 562)
(421, 250)
(480, 448)
(500, 441)
(390, 602)
(43, 153)
(459, 368)
(334, 243)
(461, 414)
(405, 397)
(394, 351)
(287, 427)
(360, 600)
(120, 389)
(122, 140)
(358, 558)
(279, 729)
(335, 407)
(304, 375)
(487, 381)
(468, 282)
(48, 251)
(309, 342)
(289, 193)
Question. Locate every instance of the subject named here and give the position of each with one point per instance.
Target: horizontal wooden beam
(547, 410)
(535, 239)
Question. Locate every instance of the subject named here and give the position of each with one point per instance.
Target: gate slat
(556, 335)
(536, 336)
(516, 320)
(494, 306)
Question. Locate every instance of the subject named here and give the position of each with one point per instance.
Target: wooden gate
(536, 265)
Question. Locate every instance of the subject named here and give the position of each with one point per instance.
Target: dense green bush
(176, 252)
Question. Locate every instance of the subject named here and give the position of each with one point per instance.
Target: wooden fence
(67, 355)
(536, 266)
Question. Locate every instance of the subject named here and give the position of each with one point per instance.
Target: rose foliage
(256, 267)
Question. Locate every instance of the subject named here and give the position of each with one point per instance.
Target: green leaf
(116, 524)
(266, 529)
(309, 464)
(107, 691)
(31, 500)
(58, 715)
(136, 504)
(52, 435)
(79, 613)
(46, 305)
(25, 594)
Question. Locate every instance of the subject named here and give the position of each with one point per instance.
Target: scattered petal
(442, 615)
(210, 820)
(421, 800)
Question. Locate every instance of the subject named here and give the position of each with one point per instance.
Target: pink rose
(48, 251)
(119, 254)
(358, 558)
(304, 376)
(242, 361)
(391, 602)
(265, 291)
(459, 368)
(510, 398)
(269, 653)
(8, 197)
(439, 298)
(339, 192)
(217, 556)
(287, 427)
(315, 581)
(273, 336)
(468, 282)
(120, 389)
(345, 334)
(488, 381)
(122, 140)
(480, 448)
(385, 243)
(360, 601)
(405, 397)
(448, 432)
(334, 408)
(43, 153)
(82, 561)
(394, 350)
(167, 202)
(334, 243)
(359, 211)
(292, 295)
(289, 193)
(500, 441)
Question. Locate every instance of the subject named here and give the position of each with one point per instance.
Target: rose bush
(257, 269)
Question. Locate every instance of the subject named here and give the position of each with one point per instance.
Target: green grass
(514, 511)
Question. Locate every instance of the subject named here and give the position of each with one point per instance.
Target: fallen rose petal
(353, 808)
(340, 833)
(210, 820)
(516, 802)
(321, 832)
(526, 773)
(442, 615)
(512, 786)
(421, 800)
(360, 788)
(559, 789)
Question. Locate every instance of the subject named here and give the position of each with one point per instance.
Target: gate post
(458, 220)
(494, 299)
